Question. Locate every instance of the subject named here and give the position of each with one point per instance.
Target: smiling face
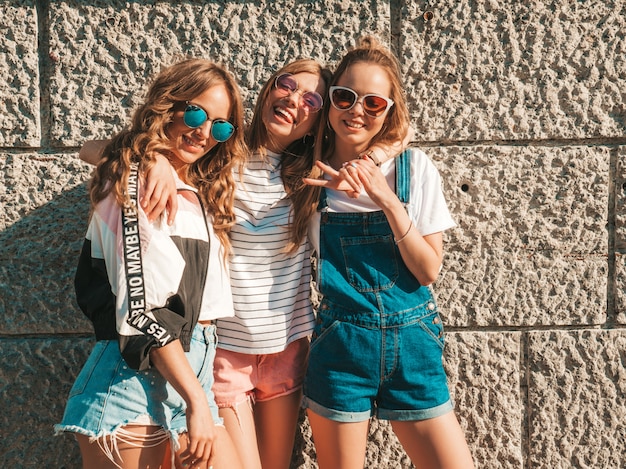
(189, 145)
(354, 129)
(286, 119)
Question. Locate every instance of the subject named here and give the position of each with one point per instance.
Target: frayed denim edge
(173, 436)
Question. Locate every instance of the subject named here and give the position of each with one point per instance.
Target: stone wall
(520, 104)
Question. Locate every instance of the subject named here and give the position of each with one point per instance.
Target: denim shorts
(108, 394)
(358, 368)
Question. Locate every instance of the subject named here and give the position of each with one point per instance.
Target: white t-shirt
(271, 289)
(427, 206)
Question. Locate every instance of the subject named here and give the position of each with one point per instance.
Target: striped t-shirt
(271, 289)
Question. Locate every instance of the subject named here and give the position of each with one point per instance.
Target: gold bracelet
(398, 241)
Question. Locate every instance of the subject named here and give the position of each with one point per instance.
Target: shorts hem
(250, 396)
(71, 428)
(281, 394)
(60, 429)
(173, 434)
(415, 414)
(173, 426)
(335, 415)
(381, 414)
(232, 404)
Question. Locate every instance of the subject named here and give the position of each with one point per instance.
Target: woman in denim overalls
(377, 346)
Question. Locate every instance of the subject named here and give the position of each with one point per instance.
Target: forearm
(421, 254)
(171, 362)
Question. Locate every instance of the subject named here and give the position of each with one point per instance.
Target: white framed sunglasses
(344, 99)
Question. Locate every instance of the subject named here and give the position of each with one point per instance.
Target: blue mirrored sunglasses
(195, 116)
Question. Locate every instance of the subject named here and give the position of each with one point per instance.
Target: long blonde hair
(212, 174)
(396, 125)
(297, 159)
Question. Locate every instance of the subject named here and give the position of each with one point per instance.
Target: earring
(308, 140)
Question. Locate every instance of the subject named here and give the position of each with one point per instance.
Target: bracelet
(398, 241)
(371, 155)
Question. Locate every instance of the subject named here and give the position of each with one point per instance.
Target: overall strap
(403, 176)
(323, 202)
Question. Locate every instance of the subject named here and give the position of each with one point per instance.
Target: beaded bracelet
(398, 241)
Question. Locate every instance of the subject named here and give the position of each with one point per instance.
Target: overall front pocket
(370, 262)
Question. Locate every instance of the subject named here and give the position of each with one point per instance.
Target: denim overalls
(378, 341)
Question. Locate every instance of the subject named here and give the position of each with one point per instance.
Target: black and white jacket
(179, 276)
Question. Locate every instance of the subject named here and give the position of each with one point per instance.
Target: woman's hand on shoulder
(381, 152)
(91, 151)
(160, 192)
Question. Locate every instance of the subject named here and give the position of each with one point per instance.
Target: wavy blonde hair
(396, 125)
(297, 159)
(212, 174)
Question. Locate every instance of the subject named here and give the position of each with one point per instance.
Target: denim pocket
(201, 357)
(323, 327)
(433, 325)
(89, 367)
(370, 262)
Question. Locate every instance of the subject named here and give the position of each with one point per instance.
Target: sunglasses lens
(374, 105)
(194, 116)
(287, 83)
(313, 101)
(222, 130)
(343, 98)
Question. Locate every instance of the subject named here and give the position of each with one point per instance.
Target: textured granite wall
(520, 104)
